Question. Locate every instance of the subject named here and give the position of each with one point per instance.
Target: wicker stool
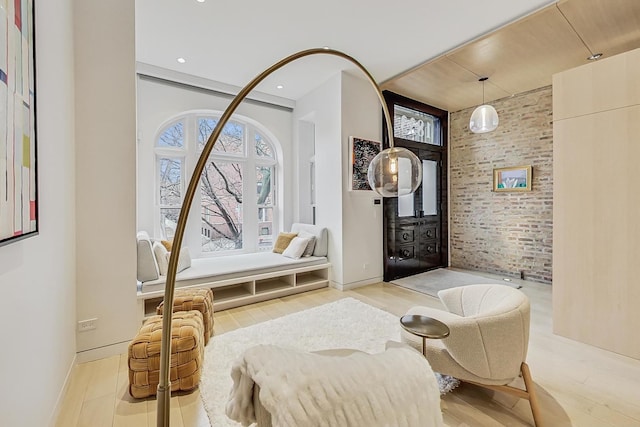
(187, 354)
(194, 299)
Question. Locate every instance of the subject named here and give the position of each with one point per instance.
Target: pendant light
(484, 118)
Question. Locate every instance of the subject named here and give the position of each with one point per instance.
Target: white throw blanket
(394, 388)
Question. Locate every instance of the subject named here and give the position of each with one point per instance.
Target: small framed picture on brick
(516, 178)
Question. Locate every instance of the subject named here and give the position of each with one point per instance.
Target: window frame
(189, 154)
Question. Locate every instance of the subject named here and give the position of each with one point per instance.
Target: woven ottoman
(187, 354)
(194, 299)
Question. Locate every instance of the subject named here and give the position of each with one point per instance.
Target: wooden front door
(415, 226)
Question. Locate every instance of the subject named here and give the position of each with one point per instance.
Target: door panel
(414, 239)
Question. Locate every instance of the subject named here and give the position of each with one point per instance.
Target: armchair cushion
(489, 336)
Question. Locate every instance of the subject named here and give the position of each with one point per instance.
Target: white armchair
(488, 341)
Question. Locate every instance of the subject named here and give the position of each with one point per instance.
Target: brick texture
(503, 233)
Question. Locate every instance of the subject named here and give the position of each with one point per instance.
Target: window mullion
(250, 211)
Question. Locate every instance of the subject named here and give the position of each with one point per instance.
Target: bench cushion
(212, 269)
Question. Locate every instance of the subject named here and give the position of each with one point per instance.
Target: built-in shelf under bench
(242, 279)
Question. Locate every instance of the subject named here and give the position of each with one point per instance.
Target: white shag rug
(346, 323)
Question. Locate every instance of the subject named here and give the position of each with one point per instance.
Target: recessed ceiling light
(595, 56)
(181, 60)
(279, 87)
(200, 1)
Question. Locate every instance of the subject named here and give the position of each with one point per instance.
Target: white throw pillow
(296, 247)
(321, 236)
(311, 245)
(160, 253)
(184, 259)
(147, 265)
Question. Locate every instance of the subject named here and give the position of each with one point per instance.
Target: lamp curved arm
(164, 385)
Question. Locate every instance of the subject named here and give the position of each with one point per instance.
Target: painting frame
(19, 207)
(514, 178)
(361, 152)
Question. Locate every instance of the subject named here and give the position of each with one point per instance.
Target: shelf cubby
(229, 292)
(274, 283)
(150, 306)
(311, 277)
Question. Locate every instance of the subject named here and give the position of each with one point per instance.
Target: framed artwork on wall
(516, 178)
(362, 152)
(18, 177)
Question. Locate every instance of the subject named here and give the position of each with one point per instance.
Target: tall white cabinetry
(596, 203)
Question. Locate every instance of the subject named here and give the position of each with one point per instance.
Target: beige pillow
(167, 244)
(283, 241)
(311, 245)
(296, 248)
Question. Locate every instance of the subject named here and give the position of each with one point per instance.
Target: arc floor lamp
(394, 171)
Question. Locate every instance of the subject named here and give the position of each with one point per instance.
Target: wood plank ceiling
(523, 56)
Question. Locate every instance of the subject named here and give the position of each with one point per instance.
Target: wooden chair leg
(529, 393)
(533, 397)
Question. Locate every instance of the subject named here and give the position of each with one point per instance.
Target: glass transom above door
(416, 126)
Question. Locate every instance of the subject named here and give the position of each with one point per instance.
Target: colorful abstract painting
(18, 180)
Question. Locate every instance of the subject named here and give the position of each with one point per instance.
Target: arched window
(236, 195)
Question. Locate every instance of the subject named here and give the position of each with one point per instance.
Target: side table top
(424, 326)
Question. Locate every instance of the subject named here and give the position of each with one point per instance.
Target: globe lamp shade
(395, 172)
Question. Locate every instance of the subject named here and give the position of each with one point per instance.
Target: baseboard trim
(353, 285)
(102, 352)
(63, 391)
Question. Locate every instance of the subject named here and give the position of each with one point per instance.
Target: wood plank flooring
(578, 385)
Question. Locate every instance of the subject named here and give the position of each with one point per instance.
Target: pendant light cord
(483, 79)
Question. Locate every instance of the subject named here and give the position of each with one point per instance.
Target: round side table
(424, 327)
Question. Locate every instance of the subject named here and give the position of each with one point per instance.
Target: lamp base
(164, 401)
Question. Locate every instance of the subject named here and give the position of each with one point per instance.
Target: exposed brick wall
(503, 233)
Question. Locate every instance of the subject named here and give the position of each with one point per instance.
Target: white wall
(37, 275)
(160, 101)
(341, 107)
(361, 219)
(105, 97)
(322, 108)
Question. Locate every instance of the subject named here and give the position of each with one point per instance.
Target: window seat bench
(238, 280)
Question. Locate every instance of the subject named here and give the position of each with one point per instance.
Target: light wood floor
(577, 385)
